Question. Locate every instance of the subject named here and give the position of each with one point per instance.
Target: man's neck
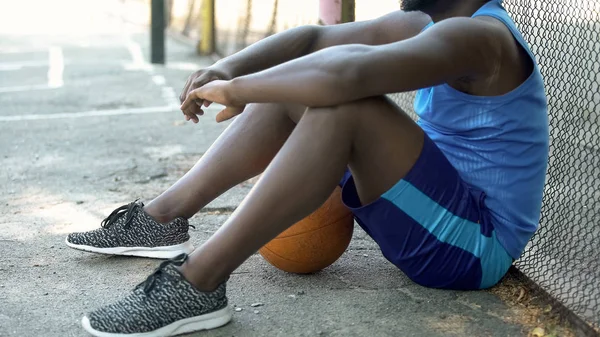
(444, 11)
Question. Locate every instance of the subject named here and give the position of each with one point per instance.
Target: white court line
(170, 96)
(4, 66)
(17, 50)
(10, 67)
(93, 113)
(96, 113)
(137, 57)
(187, 66)
(25, 88)
(159, 80)
(127, 65)
(183, 66)
(56, 67)
(136, 53)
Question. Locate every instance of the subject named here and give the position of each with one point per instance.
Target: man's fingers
(192, 116)
(222, 116)
(227, 113)
(190, 109)
(196, 110)
(183, 92)
(199, 105)
(195, 81)
(189, 101)
(200, 81)
(186, 89)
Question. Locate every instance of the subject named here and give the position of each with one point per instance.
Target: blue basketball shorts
(433, 226)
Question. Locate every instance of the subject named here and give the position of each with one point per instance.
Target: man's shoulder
(399, 25)
(498, 28)
(506, 60)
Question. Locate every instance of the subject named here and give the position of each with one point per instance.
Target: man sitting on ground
(451, 200)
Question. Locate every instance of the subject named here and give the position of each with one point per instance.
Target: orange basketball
(315, 242)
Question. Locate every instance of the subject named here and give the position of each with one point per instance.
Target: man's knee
(294, 111)
(289, 110)
(358, 110)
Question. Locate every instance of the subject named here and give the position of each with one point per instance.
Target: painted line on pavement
(8, 66)
(25, 88)
(97, 113)
(93, 113)
(137, 58)
(56, 67)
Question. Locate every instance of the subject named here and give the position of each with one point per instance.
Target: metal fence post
(207, 40)
(157, 32)
(336, 11)
(348, 11)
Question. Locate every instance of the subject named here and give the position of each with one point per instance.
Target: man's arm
(297, 42)
(454, 48)
(301, 41)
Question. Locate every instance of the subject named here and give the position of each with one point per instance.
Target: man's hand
(197, 80)
(215, 91)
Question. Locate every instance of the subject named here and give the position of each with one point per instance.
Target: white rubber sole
(205, 322)
(163, 252)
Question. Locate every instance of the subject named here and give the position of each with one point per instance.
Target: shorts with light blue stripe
(433, 226)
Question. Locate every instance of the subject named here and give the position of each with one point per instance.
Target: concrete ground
(86, 125)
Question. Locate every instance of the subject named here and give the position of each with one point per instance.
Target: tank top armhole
(428, 25)
(513, 30)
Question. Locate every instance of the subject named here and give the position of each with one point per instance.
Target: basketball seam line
(279, 256)
(332, 223)
(296, 262)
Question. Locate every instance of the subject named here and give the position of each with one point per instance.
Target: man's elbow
(351, 72)
(313, 35)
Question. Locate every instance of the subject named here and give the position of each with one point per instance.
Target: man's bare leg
(378, 141)
(242, 151)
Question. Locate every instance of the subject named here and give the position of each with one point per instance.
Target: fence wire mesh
(563, 257)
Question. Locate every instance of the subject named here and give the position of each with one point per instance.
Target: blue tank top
(498, 144)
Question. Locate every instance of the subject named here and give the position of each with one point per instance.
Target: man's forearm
(303, 40)
(271, 51)
(324, 78)
(455, 48)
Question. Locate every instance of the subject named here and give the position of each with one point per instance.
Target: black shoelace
(149, 283)
(128, 210)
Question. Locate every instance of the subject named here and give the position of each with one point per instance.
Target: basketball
(315, 242)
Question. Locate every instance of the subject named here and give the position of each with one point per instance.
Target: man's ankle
(204, 285)
(162, 218)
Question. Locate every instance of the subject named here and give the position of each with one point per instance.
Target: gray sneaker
(129, 230)
(166, 304)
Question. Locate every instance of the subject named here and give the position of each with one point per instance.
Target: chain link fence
(563, 257)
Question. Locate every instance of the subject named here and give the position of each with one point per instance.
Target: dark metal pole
(348, 10)
(157, 32)
(207, 28)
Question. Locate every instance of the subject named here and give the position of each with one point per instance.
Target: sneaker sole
(208, 321)
(161, 252)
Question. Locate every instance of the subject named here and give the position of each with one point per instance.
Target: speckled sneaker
(166, 304)
(129, 230)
